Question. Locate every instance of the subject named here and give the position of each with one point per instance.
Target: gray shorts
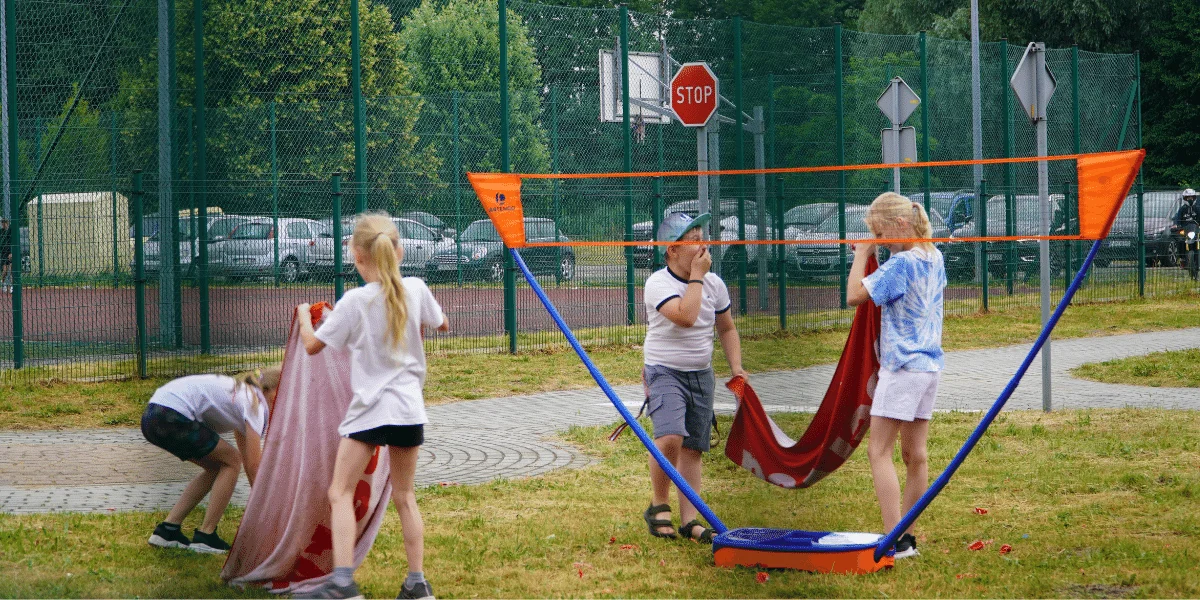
(681, 403)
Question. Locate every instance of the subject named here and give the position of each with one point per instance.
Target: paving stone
(470, 442)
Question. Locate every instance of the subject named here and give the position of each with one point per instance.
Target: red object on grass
(980, 511)
(757, 444)
(1005, 549)
(976, 545)
(762, 577)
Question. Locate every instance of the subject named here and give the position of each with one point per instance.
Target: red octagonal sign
(694, 94)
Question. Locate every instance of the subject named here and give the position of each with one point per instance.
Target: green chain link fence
(238, 153)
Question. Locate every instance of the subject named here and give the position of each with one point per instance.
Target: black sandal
(653, 524)
(706, 534)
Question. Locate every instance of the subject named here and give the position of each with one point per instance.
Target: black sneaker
(208, 543)
(329, 589)
(421, 590)
(167, 537)
(906, 546)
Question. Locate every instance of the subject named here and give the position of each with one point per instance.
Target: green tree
(295, 53)
(453, 50)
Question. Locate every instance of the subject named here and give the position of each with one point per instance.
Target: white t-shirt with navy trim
(210, 399)
(388, 381)
(681, 348)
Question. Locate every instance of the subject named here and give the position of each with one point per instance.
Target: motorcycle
(1189, 238)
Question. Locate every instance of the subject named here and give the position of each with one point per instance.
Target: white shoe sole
(156, 540)
(906, 554)
(205, 549)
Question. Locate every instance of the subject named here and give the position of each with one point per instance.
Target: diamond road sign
(1033, 82)
(908, 101)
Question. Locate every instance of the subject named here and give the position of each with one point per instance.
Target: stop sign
(694, 94)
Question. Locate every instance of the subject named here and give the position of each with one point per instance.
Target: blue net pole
(890, 539)
(666, 465)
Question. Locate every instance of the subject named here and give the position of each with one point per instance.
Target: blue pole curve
(890, 539)
(666, 465)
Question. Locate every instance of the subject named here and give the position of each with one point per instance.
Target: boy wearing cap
(684, 301)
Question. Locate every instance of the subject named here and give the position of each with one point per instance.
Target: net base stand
(815, 551)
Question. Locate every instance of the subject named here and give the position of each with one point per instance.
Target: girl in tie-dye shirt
(908, 289)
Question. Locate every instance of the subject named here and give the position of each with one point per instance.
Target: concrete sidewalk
(476, 441)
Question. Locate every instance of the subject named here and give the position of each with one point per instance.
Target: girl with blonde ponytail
(186, 417)
(380, 325)
(908, 290)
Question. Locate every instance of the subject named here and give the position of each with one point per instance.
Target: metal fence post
(458, 183)
(1141, 207)
(1068, 209)
(117, 236)
(275, 197)
(657, 258)
(841, 159)
(201, 182)
(558, 252)
(510, 266)
(14, 173)
(983, 231)
(780, 249)
(360, 126)
(741, 162)
(1069, 254)
(339, 273)
(41, 246)
(627, 145)
(1010, 255)
(139, 274)
(926, 175)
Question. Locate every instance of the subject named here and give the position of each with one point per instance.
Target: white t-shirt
(387, 380)
(681, 348)
(210, 399)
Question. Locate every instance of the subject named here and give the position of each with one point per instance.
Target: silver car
(219, 228)
(249, 252)
(420, 244)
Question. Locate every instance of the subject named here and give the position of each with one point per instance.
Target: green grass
(1179, 368)
(468, 376)
(1100, 503)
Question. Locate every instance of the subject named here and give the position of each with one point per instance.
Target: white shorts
(905, 395)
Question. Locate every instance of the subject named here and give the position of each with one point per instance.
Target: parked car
(806, 217)
(1157, 218)
(429, 220)
(250, 250)
(420, 243)
(815, 259)
(480, 253)
(219, 229)
(955, 209)
(1027, 221)
(727, 221)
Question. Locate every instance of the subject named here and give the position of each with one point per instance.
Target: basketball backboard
(647, 76)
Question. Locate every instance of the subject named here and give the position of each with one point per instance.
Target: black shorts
(168, 429)
(400, 436)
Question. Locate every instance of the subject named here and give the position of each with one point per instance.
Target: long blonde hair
(890, 207)
(376, 236)
(264, 379)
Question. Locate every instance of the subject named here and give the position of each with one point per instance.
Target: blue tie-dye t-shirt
(908, 289)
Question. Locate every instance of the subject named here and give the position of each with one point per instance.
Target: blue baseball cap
(676, 224)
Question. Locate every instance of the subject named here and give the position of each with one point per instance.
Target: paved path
(476, 441)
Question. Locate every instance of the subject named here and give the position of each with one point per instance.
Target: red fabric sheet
(757, 444)
(284, 542)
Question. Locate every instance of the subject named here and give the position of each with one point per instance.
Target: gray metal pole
(760, 199)
(976, 134)
(714, 192)
(702, 180)
(168, 245)
(1044, 245)
(896, 135)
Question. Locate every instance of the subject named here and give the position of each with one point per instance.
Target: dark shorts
(681, 403)
(168, 429)
(400, 436)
